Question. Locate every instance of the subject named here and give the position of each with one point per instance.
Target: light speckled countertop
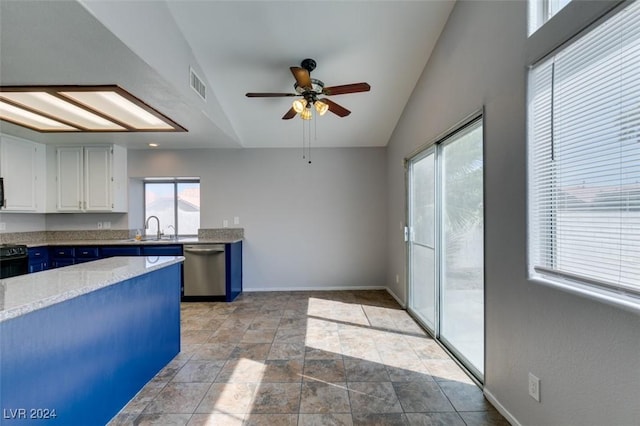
(26, 293)
(133, 242)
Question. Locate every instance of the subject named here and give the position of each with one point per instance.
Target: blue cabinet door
(62, 256)
(38, 259)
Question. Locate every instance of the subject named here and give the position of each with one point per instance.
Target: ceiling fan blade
(346, 88)
(335, 108)
(302, 77)
(269, 95)
(290, 114)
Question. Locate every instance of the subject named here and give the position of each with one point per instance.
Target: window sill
(618, 300)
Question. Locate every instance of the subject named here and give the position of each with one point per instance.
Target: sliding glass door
(422, 187)
(446, 243)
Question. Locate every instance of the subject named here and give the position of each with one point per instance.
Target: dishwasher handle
(204, 250)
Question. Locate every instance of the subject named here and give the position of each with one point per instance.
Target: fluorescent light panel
(81, 108)
(25, 118)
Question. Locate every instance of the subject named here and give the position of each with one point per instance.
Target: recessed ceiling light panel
(26, 118)
(82, 109)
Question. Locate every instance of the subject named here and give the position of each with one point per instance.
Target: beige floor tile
(422, 397)
(359, 370)
(286, 351)
(373, 397)
(234, 398)
(321, 397)
(308, 358)
(324, 370)
(198, 371)
(379, 419)
(254, 419)
(162, 419)
(277, 398)
(255, 351)
(216, 419)
(283, 370)
(241, 371)
(177, 398)
(331, 419)
(261, 335)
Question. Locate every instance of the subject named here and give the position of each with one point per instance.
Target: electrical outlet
(106, 225)
(225, 223)
(236, 220)
(534, 387)
(99, 225)
(397, 279)
(3, 226)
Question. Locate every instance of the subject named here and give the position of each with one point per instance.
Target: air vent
(197, 84)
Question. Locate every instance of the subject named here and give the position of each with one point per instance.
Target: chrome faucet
(174, 231)
(146, 225)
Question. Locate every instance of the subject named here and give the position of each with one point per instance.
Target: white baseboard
(505, 413)
(333, 288)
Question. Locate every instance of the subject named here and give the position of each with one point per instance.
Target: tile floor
(307, 358)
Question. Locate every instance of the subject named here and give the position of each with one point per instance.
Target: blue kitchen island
(77, 343)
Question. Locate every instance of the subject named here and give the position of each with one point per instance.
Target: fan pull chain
(303, 144)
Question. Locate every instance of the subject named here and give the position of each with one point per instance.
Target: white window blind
(584, 159)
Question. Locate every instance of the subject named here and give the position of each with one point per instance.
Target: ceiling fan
(309, 89)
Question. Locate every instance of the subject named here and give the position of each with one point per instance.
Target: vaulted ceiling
(148, 48)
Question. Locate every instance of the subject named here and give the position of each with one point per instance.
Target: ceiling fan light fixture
(306, 114)
(321, 107)
(299, 105)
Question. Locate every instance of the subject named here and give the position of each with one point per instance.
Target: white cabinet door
(70, 172)
(18, 168)
(97, 178)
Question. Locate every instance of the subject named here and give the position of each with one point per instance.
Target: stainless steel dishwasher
(204, 270)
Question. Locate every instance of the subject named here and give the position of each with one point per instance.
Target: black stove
(14, 260)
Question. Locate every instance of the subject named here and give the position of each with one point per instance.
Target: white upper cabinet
(92, 179)
(69, 178)
(23, 168)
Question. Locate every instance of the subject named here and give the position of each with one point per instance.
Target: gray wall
(319, 225)
(584, 352)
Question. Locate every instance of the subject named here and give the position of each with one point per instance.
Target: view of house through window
(584, 179)
(176, 204)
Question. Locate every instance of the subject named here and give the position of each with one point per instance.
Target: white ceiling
(147, 47)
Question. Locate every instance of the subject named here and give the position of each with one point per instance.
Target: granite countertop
(27, 293)
(131, 241)
(116, 237)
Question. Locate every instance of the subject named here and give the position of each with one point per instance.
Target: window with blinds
(584, 159)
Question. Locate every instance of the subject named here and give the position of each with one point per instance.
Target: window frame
(601, 291)
(175, 182)
(541, 11)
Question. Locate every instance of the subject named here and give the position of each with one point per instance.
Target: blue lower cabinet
(157, 250)
(111, 251)
(80, 361)
(85, 254)
(62, 256)
(233, 263)
(38, 259)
